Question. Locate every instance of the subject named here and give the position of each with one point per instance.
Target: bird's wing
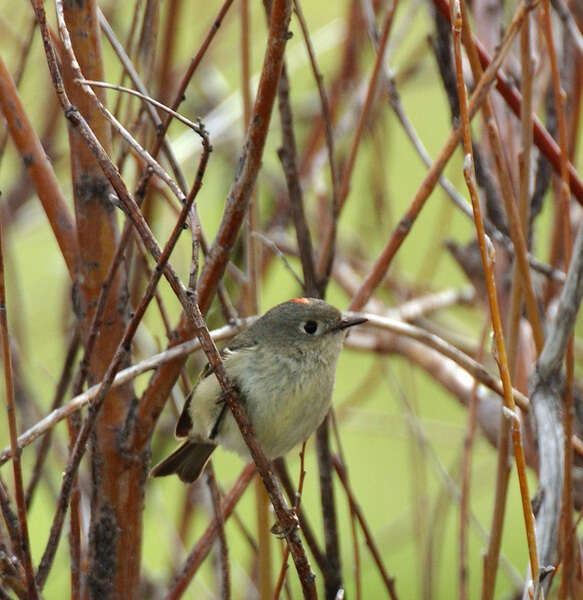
(228, 353)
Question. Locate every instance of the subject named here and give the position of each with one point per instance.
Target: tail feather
(187, 461)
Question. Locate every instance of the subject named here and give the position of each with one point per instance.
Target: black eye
(310, 327)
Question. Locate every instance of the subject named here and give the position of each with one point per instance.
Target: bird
(284, 367)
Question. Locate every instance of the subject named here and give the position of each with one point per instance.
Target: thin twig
(469, 174)
(387, 579)
(566, 513)
(60, 391)
(327, 248)
(406, 222)
(296, 508)
(542, 138)
(23, 551)
(225, 577)
(185, 574)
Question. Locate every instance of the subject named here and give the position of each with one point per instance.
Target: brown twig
(185, 574)
(388, 581)
(566, 515)
(289, 161)
(327, 248)
(134, 77)
(329, 139)
(219, 517)
(542, 138)
(487, 258)
(406, 222)
(307, 530)
(517, 234)
(40, 170)
(23, 551)
(296, 507)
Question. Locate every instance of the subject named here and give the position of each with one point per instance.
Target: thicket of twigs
(123, 175)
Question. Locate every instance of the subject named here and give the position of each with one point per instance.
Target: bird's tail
(187, 461)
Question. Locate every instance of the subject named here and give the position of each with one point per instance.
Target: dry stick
(148, 100)
(149, 159)
(104, 292)
(342, 462)
(524, 170)
(289, 161)
(44, 446)
(448, 187)
(566, 515)
(405, 224)
(542, 138)
(225, 577)
(159, 140)
(503, 465)
(328, 136)
(96, 148)
(13, 576)
(327, 247)
(514, 222)
(470, 175)
(40, 170)
(307, 530)
(206, 541)
(333, 573)
(296, 507)
(490, 564)
(10, 520)
(135, 78)
(23, 552)
(387, 579)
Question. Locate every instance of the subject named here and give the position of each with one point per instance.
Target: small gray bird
(284, 366)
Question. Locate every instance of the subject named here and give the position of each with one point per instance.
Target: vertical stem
(24, 551)
(503, 467)
(333, 572)
(487, 257)
(566, 516)
(253, 260)
(524, 189)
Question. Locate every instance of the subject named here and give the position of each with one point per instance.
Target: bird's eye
(310, 327)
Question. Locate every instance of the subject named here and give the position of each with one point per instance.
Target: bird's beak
(349, 322)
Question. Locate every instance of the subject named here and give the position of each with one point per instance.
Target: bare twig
(205, 543)
(24, 549)
(487, 260)
(405, 224)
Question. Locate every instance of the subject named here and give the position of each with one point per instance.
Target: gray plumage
(284, 366)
